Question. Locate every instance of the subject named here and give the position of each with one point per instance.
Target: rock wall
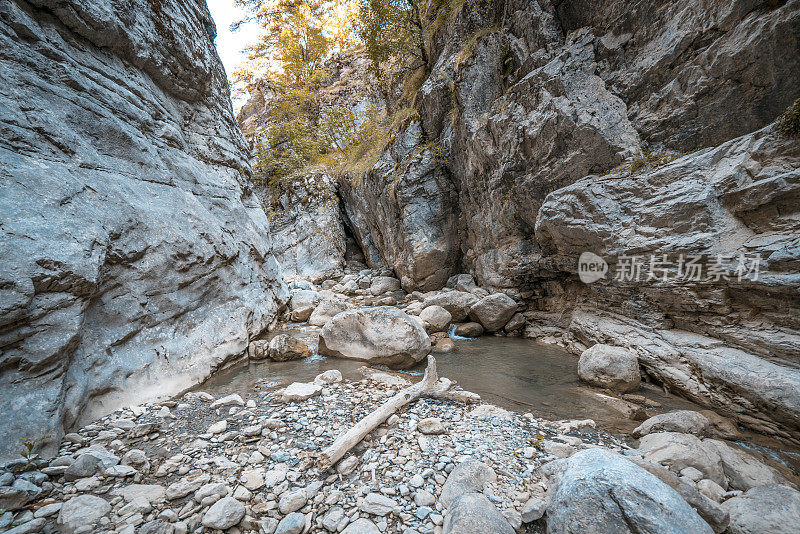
(306, 229)
(134, 256)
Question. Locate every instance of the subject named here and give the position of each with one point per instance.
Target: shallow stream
(514, 373)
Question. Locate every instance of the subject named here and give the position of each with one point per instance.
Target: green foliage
(789, 121)
(30, 453)
(653, 160)
(392, 29)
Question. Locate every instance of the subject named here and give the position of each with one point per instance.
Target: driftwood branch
(444, 391)
(342, 444)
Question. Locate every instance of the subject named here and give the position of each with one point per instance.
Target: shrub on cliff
(789, 121)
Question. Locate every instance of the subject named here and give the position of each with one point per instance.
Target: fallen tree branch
(346, 441)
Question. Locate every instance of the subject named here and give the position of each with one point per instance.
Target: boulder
(469, 330)
(284, 347)
(742, 469)
(462, 282)
(469, 476)
(444, 346)
(376, 335)
(609, 367)
(458, 303)
(473, 513)
(678, 451)
(683, 421)
(384, 284)
(494, 311)
(304, 298)
(81, 511)
(596, 491)
(436, 318)
(431, 425)
(224, 514)
(772, 508)
(331, 376)
(326, 310)
(258, 349)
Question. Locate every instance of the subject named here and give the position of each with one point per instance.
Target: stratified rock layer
(134, 258)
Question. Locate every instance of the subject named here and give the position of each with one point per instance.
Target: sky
(230, 44)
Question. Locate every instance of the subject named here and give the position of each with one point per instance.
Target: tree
(390, 29)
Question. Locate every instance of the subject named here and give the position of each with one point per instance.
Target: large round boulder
(610, 367)
(376, 335)
(494, 311)
(596, 491)
(435, 318)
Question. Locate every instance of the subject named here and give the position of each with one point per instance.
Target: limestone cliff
(134, 256)
(543, 129)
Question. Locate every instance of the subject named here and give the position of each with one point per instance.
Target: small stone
(292, 501)
(377, 504)
(293, 523)
(431, 425)
(218, 427)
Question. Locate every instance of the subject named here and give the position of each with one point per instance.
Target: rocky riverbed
(248, 463)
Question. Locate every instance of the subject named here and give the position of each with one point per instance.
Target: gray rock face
(771, 508)
(402, 212)
(224, 514)
(377, 335)
(129, 232)
(306, 230)
(473, 512)
(610, 367)
(597, 491)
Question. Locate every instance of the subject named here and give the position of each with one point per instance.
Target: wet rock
(435, 318)
(284, 347)
(444, 346)
(469, 330)
(609, 367)
(81, 511)
(375, 335)
(597, 491)
(683, 421)
(772, 508)
(473, 512)
(469, 476)
(494, 311)
(224, 514)
(300, 391)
